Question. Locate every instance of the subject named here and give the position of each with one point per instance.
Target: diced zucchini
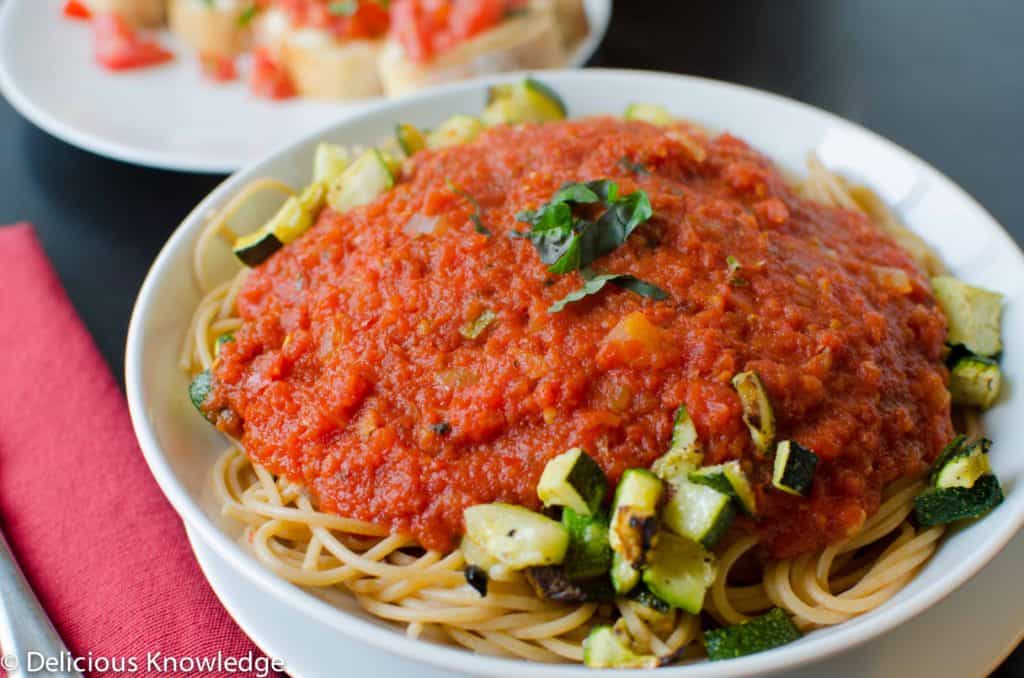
(199, 390)
(758, 414)
(516, 536)
(652, 113)
(730, 479)
(625, 577)
(574, 480)
(643, 595)
(589, 553)
(768, 631)
(607, 647)
(973, 314)
(410, 139)
(955, 448)
(680, 572)
(472, 330)
(962, 467)
(975, 381)
(225, 338)
(937, 506)
(253, 249)
(794, 468)
(456, 130)
(552, 583)
(365, 179)
(526, 101)
(329, 161)
(634, 518)
(476, 556)
(684, 453)
(698, 512)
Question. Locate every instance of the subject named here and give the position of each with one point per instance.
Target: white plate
(935, 640)
(181, 448)
(168, 116)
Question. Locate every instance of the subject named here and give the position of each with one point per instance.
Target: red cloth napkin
(104, 551)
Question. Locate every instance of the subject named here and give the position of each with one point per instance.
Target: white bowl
(181, 448)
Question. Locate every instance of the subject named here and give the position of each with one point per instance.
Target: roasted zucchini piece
(684, 453)
(793, 472)
(973, 314)
(574, 480)
(526, 101)
(290, 221)
(680, 572)
(758, 414)
(410, 139)
(698, 512)
(768, 631)
(553, 583)
(730, 479)
(366, 178)
(937, 506)
(199, 390)
(456, 130)
(634, 524)
(329, 161)
(225, 338)
(652, 113)
(476, 556)
(253, 249)
(515, 536)
(589, 554)
(607, 647)
(975, 381)
(963, 466)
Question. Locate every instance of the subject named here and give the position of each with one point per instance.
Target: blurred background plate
(168, 116)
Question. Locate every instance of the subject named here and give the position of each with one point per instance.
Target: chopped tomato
(118, 47)
(218, 68)
(269, 78)
(345, 19)
(426, 28)
(74, 9)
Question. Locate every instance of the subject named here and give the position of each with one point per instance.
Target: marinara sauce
(350, 373)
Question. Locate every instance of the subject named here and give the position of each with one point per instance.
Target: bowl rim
(841, 637)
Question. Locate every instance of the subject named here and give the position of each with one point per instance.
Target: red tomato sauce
(350, 355)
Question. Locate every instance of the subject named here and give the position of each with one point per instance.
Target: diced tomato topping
(345, 19)
(74, 9)
(218, 68)
(269, 78)
(118, 47)
(426, 28)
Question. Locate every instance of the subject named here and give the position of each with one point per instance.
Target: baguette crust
(572, 18)
(142, 13)
(530, 41)
(324, 69)
(211, 31)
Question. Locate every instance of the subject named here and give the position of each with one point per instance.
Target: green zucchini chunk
(641, 594)
(293, 219)
(199, 390)
(225, 338)
(589, 553)
(553, 583)
(366, 178)
(758, 414)
(793, 472)
(329, 161)
(680, 572)
(698, 512)
(938, 506)
(607, 647)
(634, 521)
(526, 101)
(574, 480)
(455, 131)
(410, 139)
(684, 453)
(515, 536)
(972, 313)
(652, 113)
(768, 631)
(964, 467)
(255, 248)
(975, 381)
(730, 479)
(624, 575)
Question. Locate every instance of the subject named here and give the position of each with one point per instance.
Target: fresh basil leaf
(478, 222)
(569, 260)
(634, 167)
(247, 15)
(597, 283)
(580, 194)
(343, 7)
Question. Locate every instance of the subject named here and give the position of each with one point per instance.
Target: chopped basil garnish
(596, 283)
(343, 7)
(247, 15)
(634, 167)
(478, 222)
(734, 266)
(441, 429)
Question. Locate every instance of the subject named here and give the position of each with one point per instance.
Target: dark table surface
(942, 78)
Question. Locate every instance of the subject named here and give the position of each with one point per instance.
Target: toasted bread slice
(212, 29)
(531, 40)
(142, 13)
(572, 19)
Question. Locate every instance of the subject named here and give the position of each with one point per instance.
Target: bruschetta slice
(524, 36)
(139, 13)
(329, 49)
(214, 28)
(572, 19)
